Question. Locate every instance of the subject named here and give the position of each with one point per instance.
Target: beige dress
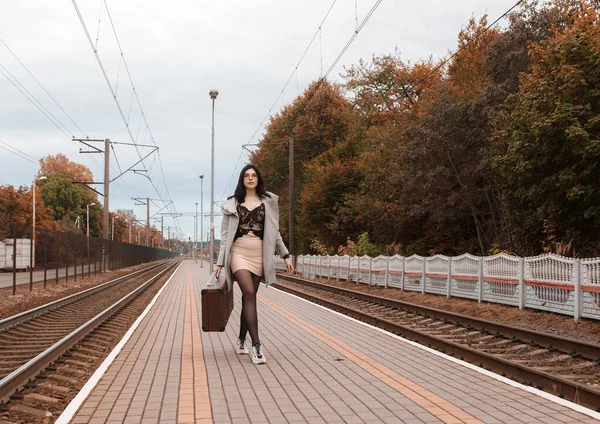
(246, 251)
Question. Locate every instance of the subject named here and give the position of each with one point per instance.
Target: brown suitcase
(217, 304)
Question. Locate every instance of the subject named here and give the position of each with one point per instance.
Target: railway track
(566, 368)
(47, 354)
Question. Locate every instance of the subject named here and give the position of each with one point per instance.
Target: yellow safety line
(194, 397)
(432, 403)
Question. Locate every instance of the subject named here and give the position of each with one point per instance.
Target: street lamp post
(201, 222)
(112, 236)
(32, 246)
(195, 249)
(88, 220)
(213, 95)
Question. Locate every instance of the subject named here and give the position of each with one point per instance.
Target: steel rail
(578, 393)
(571, 347)
(25, 316)
(10, 384)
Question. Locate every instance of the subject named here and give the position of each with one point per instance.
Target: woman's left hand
(289, 265)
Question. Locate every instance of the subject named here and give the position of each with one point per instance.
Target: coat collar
(229, 206)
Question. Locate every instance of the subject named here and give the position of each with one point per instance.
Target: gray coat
(272, 241)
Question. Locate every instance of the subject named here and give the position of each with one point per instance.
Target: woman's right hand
(218, 271)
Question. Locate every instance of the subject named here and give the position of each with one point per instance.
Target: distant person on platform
(249, 239)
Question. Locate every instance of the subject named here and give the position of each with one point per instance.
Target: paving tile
(160, 372)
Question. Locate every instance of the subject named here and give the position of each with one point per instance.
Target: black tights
(249, 284)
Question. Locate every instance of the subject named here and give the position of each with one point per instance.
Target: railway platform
(321, 367)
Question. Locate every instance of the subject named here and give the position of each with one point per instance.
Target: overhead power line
(12, 149)
(445, 61)
(41, 86)
(34, 101)
(115, 98)
(285, 142)
(317, 32)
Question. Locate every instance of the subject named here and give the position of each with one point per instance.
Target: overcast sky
(177, 51)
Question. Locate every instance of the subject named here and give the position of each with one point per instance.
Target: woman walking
(249, 239)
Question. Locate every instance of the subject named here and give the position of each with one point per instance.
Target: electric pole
(147, 220)
(292, 216)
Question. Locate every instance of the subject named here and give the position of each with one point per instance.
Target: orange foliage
(60, 164)
(467, 71)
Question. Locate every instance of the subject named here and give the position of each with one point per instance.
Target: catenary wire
(101, 65)
(42, 87)
(38, 105)
(317, 32)
(12, 149)
(416, 84)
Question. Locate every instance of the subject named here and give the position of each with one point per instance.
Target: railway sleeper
(41, 398)
(77, 363)
(81, 355)
(578, 376)
(49, 387)
(91, 352)
(581, 365)
(440, 324)
(509, 349)
(95, 345)
(555, 359)
(27, 410)
(530, 354)
(24, 357)
(15, 338)
(483, 339)
(110, 338)
(460, 331)
(61, 378)
(443, 327)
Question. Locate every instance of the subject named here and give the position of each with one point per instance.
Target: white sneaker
(242, 349)
(257, 355)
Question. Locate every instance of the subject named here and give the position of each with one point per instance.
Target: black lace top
(253, 220)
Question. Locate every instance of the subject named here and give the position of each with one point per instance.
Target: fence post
(370, 271)
(424, 275)
(31, 259)
(14, 257)
(45, 256)
(358, 270)
(480, 280)
(522, 283)
(578, 294)
(349, 278)
(67, 251)
(337, 274)
(321, 266)
(403, 273)
(329, 273)
(75, 257)
(449, 292)
(56, 236)
(387, 272)
(82, 262)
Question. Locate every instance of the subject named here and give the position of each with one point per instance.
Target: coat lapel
(229, 206)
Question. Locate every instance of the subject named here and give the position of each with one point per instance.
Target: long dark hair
(240, 190)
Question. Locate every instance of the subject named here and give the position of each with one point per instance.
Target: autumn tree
(381, 206)
(548, 139)
(67, 199)
(316, 121)
(16, 207)
(60, 164)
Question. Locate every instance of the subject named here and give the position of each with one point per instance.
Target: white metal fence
(547, 282)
